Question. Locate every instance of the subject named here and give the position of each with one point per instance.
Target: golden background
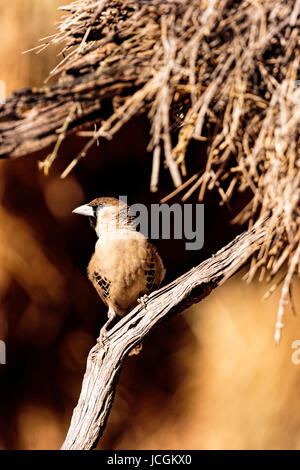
(210, 378)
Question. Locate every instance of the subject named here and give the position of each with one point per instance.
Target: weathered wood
(31, 119)
(104, 365)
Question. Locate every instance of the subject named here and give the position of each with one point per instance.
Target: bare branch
(104, 366)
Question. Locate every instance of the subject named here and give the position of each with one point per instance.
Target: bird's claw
(142, 300)
(103, 338)
(104, 331)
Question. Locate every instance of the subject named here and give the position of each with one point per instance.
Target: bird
(125, 266)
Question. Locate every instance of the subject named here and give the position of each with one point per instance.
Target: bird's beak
(84, 210)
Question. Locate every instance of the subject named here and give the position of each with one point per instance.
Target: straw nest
(216, 70)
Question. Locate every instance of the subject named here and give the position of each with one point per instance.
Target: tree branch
(104, 366)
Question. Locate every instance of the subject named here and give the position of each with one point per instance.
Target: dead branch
(104, 366)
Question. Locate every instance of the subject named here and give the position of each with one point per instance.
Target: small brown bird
(125, 265)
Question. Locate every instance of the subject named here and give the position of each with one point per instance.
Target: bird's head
(105, 213)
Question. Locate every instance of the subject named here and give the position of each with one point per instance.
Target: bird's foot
(104, 330)
(103, 337)
(142, 301)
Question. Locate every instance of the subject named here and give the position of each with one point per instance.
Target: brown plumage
(125, 265)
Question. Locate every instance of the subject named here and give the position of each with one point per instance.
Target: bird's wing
(100, 282)
(154, 269)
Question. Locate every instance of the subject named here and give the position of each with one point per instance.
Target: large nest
(216, 70)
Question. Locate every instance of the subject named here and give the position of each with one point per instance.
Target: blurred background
(210, 378)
